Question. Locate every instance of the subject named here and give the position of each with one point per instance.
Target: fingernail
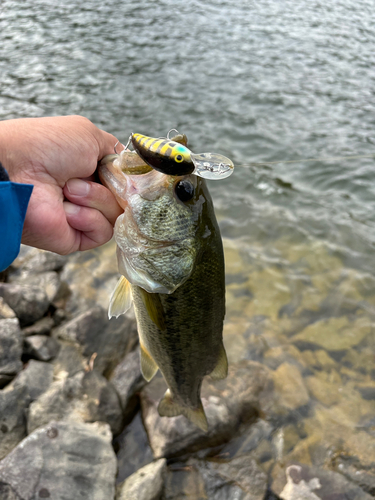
(78, 187)
(71, 208)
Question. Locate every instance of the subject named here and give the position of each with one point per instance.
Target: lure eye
(184, 190)
(178, 158)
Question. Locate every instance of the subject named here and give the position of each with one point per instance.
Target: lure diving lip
(173, 158)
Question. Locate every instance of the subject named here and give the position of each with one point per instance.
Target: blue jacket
(14, 199)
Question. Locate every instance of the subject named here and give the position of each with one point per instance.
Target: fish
(170, 257)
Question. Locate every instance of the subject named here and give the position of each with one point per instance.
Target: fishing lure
(174, 158)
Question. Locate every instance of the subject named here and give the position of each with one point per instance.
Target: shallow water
(257, 82)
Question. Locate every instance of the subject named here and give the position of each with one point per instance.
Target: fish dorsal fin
(169, 408)
(148, 365)
(154, 308)
(121, 298)
(221, 369)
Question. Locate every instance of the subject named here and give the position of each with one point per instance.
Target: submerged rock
(10, 349)
(290, 390)
(62, 461)
(13, 402)
(145, 484)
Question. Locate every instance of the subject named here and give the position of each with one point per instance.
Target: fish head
(161, 231)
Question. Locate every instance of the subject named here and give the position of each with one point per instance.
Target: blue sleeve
(14, 199)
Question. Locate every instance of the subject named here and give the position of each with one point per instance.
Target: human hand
(59, 156)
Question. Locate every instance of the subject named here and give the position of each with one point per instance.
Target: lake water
(259, 82)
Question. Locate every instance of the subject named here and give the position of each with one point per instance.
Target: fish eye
(178, 158)
(184, 190)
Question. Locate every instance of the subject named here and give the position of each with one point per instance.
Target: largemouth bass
(170, 256)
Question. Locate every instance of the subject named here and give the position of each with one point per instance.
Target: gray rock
(13, 402)
(132, 449)
(94, 333)
(62, 461)
(145, 484)
(5, 311)
(41, 327)
(227, 403)
(33, 260)
(41, 347)
(48, 282)
(352, 470)
(240, 478)
(36, 377)
(10, 349)
(28, 302)
(7, 493)
(68, 361)
(86, 397)
(128, 380)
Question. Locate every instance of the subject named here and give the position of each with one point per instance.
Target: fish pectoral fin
(154, 308)
(221, 369)
(169, 408)
(121, 298)
(148, 365)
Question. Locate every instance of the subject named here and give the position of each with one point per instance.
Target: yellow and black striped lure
(173, 158)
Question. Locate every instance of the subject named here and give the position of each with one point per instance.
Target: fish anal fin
(221, 369)
(148, 365)
(169, 408)
(121, 298)
(154, 308)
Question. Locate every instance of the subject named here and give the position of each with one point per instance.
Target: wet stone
(28, 302)
(127, 379)
(74, 461)
(41, 347)
(227, 403)
(86, 397)
(10, 349)
(41, 327)
(132, 448)
(145, 484)
(94, 333)
(290, 389)
(13, 402)
(36, 377)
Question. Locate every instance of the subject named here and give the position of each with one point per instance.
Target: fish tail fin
(169, 408)
(121, 298)
(221, 369)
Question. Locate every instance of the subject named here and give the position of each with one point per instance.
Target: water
(256, 82)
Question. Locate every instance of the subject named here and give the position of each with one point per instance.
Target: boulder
(10, 349)
(36, 377)
(13, 402)
(41, 347)
(29, 302)
(145, 484)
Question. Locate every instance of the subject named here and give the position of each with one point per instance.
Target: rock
(145, 484)
(290, 390)
(13, 402)
(94, 333)
(36, 377)
(132, 449)
(127, 379)
(10, 349)
(275, 356)
(302, 482)
(86, 397)
(5, 311)
(41, 347)
(62, 461)
(48, 282)
(33, 260)
(227, 403)
(41, 327)
(240, 478)
(354, 472)
(334, 334)
(324, 388)
(28, 302)
(68, 361)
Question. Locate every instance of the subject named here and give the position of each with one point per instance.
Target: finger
(94, 229)
(93, 195)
